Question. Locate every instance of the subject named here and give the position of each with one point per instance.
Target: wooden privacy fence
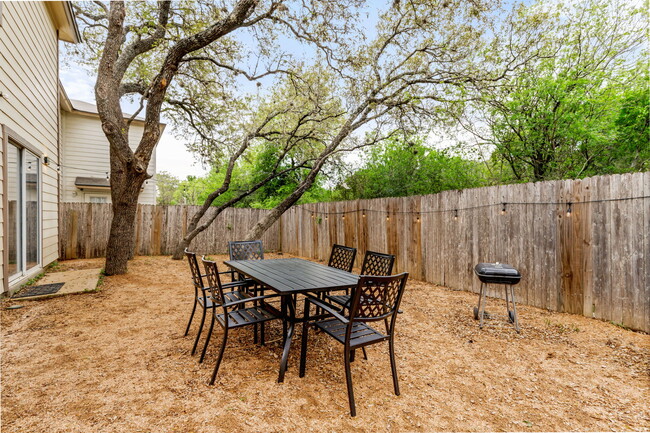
(594, 261)
(84, 229)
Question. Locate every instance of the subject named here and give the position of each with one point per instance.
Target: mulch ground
(117, 361)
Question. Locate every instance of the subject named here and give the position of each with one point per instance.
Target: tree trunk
(125, 190)
(121, 240)
(263, 225)
(180, 248)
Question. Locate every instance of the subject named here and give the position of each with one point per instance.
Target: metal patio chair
(341, 257)
(202, 296)
(374, 263)
(231, 314)
(248, 250)
(374, 299)
(245, 250)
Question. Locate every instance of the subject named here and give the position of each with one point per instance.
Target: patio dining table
(289, 277)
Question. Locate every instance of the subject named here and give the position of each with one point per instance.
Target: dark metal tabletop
(289, 276)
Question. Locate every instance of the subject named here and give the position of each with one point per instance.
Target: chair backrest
(214, 282)
(377, 297)
(246, 250)
(342, 257)
(377, 264)
(194, 267)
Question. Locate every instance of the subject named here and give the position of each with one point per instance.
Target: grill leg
(514, 308)
(481, 305)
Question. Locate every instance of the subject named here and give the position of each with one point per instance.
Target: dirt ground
(117, 361)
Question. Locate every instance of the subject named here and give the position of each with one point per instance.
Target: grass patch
(100, 280)
(33, 280)
(562, 328)
(620, 325)
(55, 266)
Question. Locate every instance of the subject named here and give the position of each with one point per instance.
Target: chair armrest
(327, 307)
(234, 284)
(243, 301)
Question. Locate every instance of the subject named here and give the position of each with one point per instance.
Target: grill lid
(497, 273)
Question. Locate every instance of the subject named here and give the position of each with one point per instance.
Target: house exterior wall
(85, 153)
(29, 103)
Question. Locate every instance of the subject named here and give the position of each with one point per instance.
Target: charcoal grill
(497, 273)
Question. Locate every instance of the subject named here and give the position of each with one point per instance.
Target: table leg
(289, 320)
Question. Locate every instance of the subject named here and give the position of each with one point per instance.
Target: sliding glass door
(23, 210)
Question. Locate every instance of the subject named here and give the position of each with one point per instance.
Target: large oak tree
(144, 47)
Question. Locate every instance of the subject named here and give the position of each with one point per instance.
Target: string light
(569, 207)
(312, 215)
(418, 218)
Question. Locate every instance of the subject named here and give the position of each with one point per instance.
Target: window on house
(98, 199)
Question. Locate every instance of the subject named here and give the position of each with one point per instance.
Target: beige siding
(29, 104)
(85, 152)
(2, 201)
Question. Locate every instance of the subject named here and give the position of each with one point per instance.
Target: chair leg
(303, 348)
(365, 355)
(187, 330)
(223, 348)
(348, 380)
(262, 334)
(207, 340)
(393, 365)
(198, 334)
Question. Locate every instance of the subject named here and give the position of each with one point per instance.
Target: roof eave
(64, 21)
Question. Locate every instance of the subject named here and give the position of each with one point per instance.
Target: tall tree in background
(407, 167)
(557, 117)
(144, 47)
(424, 57)
(166, 185)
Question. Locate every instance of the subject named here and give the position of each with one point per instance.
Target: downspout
(58, 147)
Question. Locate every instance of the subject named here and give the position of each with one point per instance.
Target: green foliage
(581, 108)
(166, 185)
(403, 168)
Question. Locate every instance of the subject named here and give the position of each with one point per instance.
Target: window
(23, 210)
(97, 199)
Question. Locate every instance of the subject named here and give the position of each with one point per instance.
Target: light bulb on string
(364, 214)
(503, 209)
(568, 210)
(343, 216)
(455, 214)
(387, 217)
(418, 218)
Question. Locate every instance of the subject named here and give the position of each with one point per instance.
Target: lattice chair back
(342, 257)
(194, 267)
(377, 298)
(246, 250)
(377, 264)
(214, 282)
